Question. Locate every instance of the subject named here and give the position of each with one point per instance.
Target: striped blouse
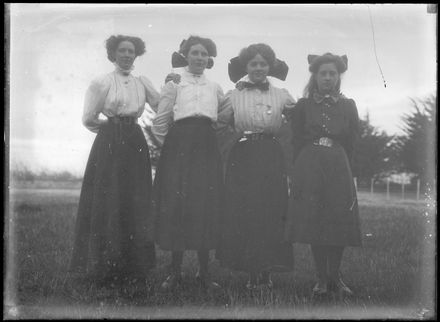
(255, 110)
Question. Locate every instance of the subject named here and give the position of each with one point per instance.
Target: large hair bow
(178, 60)
(237, 70)
(316, 60)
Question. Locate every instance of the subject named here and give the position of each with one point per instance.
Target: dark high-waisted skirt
(188, 187)
(255, 208)
(324, 204)
(114, 225)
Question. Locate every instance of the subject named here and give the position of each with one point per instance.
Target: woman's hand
(173, 77)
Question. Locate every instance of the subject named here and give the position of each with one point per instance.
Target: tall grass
(390, 271)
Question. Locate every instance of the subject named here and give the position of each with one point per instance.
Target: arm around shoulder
(165, 114)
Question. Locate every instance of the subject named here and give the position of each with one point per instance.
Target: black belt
(120, 129)
(195, 120)
(256, 136)
(123, 120)
(324, 141)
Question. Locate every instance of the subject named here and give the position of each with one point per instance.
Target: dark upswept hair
(209, 45)
(248, 53)
(314, 65)
(113, 42)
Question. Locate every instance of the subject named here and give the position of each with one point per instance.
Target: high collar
(193, 78)
(246, 79)
(333, 96)
(122, 71)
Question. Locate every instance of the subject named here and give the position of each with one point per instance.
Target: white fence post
(418, 189)
(371, 188)
(388, 188)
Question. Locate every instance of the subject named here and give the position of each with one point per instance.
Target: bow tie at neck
(261, 86)
(192, 74)
(122, 71)
(318, 97)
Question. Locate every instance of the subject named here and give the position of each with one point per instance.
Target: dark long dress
(254, 214)
(188, 187)
(256, 192)
(324, 205)
(113, 233)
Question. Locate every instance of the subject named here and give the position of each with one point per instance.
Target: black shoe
(320, 289)
(171, 282)
(205, 282)
(339, 287)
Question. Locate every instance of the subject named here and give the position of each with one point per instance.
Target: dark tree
(416, 149)
(372, 154)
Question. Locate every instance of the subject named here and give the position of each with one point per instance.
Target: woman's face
(257, 69)
(125, 54)
(197, 59)
(327, 77)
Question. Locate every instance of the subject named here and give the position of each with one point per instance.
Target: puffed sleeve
(225, 130)
(354, 130)
(297, 124)
(94, 103)
(164, 115)
(152, 96)
(220, 94)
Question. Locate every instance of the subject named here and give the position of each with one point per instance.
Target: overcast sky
(57, 49)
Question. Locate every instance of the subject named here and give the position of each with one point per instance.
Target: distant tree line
(22, 173)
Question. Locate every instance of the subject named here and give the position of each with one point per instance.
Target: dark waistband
(194, 121)
(123, 120)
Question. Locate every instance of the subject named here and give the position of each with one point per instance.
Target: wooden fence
(390, 189)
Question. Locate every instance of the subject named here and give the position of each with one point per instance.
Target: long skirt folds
(324, 205)
(255, 208)
(114, 226)
(188, 187)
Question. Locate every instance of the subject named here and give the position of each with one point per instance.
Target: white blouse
(117, 94)
(195, 95)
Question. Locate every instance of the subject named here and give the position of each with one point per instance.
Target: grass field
(393, 274)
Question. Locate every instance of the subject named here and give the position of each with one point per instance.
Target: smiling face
(257, 69)
(125, 54)
(197, 59)
(327, 77)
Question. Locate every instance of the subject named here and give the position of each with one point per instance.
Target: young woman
(255, 181)
(113, 234)
(325, 127)
(188, 182)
